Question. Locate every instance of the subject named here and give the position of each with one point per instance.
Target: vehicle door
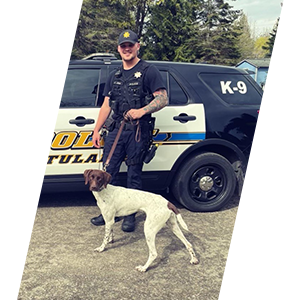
(178, 125)
(72, 150)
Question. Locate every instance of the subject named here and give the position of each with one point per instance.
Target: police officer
(134, 91)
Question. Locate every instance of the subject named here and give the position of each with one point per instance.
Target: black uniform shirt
(152, 80)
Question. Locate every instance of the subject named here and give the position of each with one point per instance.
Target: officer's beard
(131, 58)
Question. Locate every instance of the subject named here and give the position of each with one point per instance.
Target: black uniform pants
(130, 149)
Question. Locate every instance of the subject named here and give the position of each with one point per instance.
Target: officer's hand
(96, 139)
(135, 114)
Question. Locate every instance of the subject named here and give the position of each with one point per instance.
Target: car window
(176, 94)
(234, 89)
(82, 88)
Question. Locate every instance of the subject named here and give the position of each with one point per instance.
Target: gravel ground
(62, 265)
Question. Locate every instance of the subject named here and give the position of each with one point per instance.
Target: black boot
(99, 221)
(129, 223)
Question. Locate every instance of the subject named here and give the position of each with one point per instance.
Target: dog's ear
(86, 175)
(107, 178)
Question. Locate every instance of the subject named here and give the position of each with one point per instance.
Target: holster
(109, 124)
(149, 149)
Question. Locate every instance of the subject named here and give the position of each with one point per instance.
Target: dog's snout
(93, 186)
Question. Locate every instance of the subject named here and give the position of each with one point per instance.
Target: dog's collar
(101, 188)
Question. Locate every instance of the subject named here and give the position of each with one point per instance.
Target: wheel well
(224, 148)
(230, 151)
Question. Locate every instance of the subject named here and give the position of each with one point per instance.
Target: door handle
(81, 121)
(184, 118)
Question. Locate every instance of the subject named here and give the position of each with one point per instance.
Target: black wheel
(205, 182)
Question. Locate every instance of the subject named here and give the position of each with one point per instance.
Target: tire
(205, 182)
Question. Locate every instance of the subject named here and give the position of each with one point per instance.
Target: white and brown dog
(115, 201)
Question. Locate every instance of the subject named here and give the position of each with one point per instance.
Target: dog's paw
(194, 261)
(141, 269)
(99, 249)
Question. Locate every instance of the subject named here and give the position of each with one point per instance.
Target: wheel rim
(207, 183)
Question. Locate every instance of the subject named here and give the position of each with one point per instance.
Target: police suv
(203, 136)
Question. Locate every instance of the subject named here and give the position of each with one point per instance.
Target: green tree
(100, 23)
(176, 30)
(259, 47)
(246, 43)
(137, 11)
(270, 43)
(169, 27)
(218, 35)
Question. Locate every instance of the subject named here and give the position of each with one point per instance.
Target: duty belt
(122, 126)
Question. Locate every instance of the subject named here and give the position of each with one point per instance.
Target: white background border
(36, 43)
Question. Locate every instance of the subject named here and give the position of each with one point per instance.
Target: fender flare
(222, 147)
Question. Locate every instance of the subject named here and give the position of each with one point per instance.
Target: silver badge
(137, 74)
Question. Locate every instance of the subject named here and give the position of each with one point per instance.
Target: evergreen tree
(271, 41)
(101, 21)
(168, 29)
(246, 43)
(99, 26)
(218, 36)
(175, 30)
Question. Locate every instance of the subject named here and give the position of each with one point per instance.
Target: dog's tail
(181, 222)
(175, 210)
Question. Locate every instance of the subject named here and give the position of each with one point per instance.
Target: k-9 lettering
(240, 87)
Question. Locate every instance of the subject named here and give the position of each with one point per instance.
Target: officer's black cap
(128, 36)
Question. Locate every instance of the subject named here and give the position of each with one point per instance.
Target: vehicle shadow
(86, 198)
(65, 199)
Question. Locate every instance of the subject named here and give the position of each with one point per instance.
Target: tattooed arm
(160, 100)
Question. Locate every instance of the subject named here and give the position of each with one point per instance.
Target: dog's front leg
(108, 236)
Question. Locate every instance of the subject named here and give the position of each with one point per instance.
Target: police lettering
(74, 159)
(64, 140)
(73, 140)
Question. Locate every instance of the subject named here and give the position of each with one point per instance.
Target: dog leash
(113, 148)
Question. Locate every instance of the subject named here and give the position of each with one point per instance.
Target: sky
(262, 14)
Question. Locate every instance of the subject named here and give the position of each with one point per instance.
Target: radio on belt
(149, 156)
